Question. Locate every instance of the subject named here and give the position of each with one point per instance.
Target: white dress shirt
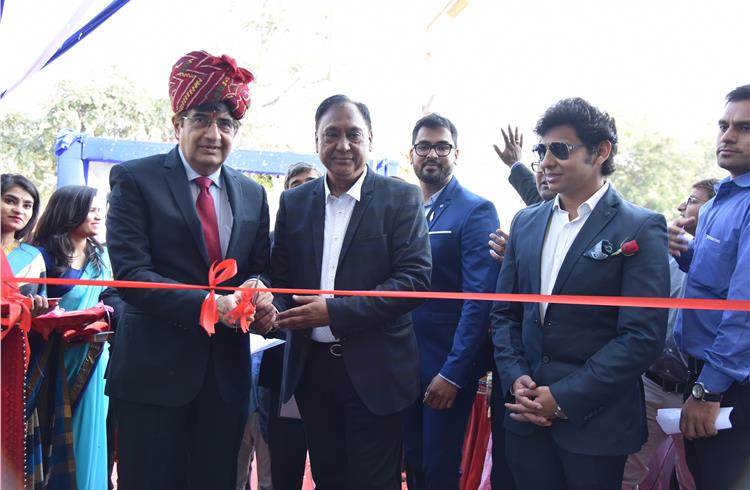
(430, 202)
(338, 214)
(561, 232)
(221, 201)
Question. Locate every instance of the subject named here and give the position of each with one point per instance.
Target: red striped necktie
(207, 214)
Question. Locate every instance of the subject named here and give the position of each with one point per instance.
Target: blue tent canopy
(75, 151)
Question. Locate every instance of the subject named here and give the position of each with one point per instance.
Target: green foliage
(266, 180)
(118, 110)
(655, 172)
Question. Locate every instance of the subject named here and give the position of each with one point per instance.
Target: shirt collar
(192, 174)
(355, 191)
(435, 196)
(588, 205)
(742, 180)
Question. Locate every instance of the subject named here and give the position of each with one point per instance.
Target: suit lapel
(602, 214)
(359, 210)
(174, 173)
(316, 223)
(234, 194)
(443, 201)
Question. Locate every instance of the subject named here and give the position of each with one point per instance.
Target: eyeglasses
(559, 150)
(226, 126)
(693, 200)
(441, 149)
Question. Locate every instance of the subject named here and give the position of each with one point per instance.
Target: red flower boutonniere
(627, 248)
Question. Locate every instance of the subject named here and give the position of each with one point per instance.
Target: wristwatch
(699, 392)
(560, 414)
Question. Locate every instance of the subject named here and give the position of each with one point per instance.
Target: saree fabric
(26, 261)
(66, 390)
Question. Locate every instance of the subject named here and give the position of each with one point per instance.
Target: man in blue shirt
(718, 342)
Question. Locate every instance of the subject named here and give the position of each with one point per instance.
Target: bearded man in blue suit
(452, 335)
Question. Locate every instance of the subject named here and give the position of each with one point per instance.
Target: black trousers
(723, 461)
(501, 477)
(537, 462)
(350, 447)
(176, 448)
(286, 441)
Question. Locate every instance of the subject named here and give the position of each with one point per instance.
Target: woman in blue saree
(66, 236)
(20, 209)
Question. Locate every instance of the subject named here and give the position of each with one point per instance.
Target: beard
(442, 174)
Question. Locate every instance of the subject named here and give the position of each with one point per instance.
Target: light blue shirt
(718, 267)
(428, 211)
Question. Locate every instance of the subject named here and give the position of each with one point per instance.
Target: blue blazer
(591, 357)
(452, 335)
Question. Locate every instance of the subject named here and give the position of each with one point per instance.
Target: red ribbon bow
(218, 273)
(18, 308)
(244, 312)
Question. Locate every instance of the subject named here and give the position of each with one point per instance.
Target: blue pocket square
(600, 251)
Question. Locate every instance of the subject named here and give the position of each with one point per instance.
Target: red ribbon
(632, 301)
(218, 273)
(244, 312)
(18, 309)
(14, 342)
(228, 268)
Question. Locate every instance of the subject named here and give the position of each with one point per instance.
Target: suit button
(545, 359)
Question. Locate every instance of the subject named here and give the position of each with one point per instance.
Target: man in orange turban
(180, 394)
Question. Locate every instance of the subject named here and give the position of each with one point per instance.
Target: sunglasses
(559, 150)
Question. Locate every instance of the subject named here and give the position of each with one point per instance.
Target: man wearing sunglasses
(451, 335)
(571, 373)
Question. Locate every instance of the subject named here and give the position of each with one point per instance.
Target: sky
(662, 65)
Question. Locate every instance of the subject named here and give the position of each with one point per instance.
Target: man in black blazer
(351, 362)
(571, 373)
(180, 395)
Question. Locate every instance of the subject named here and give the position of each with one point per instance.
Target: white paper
(290, 410)
(669, 419)
(259, 344)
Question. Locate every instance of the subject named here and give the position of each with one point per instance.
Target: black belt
(335, 349)
(668, 386)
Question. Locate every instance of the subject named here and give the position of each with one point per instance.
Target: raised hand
(513, 146)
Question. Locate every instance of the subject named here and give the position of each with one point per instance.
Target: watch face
(698, 391)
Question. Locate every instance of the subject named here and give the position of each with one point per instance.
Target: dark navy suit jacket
(591, 357)
(385, 248)
(452, 335)
(161, 354)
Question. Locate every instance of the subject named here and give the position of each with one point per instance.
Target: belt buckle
(336, 349)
